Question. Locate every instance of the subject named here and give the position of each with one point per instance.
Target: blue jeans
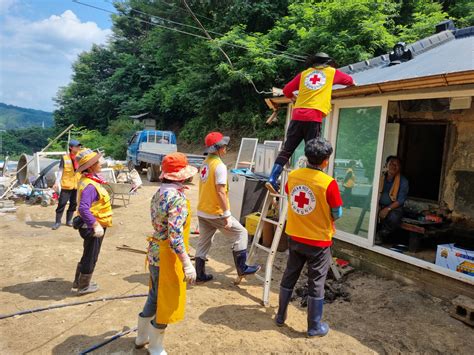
(149, 310)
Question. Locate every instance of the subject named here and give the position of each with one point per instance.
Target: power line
(207, 37)
(290, 56)
(223, 52)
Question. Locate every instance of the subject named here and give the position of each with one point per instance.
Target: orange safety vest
(315, 89)
(309, 214)
(102, 208)
(69, 178)
(208, 198)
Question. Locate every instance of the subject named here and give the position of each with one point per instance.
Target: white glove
(98, 230)
(189, 270)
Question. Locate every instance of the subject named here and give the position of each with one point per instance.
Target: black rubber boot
(201, 271)
(316, 328)
(69, 217)
(283, 301)
(85, 285)
(57, 224)
(75, 283)
(240, 259)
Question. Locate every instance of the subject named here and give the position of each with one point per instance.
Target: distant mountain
(14, 117)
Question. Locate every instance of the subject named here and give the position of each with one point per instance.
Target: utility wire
(185, 32)
(293, 56)
(223, 52)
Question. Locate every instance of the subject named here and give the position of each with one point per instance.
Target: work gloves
(189, 270)
(98, 230)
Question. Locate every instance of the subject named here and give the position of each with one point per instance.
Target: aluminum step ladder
(271, 251)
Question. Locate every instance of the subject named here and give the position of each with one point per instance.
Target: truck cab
(161, 142)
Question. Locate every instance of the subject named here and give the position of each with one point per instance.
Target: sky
(39, 41)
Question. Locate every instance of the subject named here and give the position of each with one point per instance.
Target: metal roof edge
(416, 48)
(433, 81)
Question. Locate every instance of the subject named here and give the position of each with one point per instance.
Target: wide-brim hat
(175, 167)
(214, 141)
(86, 158)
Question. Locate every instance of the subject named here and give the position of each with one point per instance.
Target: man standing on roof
(66, 185)
(312, 104)
(214, 210)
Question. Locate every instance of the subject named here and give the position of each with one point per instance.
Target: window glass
(354, 163)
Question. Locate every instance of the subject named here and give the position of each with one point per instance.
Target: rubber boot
(316, 328)
(155, 346)
(143, 331)
(272, 183)
(240, 259)
(75, 283)
(57, 224)
(283, 301)
(85, 285)
(201, 271)
(69, 216)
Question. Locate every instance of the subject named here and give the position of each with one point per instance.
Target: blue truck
(146, 150)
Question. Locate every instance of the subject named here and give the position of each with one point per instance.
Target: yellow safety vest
(102, 208)
(309, 214)
(69, 178)
(315, 89)
(208, 198)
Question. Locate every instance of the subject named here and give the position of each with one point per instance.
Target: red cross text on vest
(301, 200)
(314, 79)
(203, 172)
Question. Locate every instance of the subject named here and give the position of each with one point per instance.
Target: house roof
(443, 59)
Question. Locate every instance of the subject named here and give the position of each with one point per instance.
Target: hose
(99, 345)
(41, 309)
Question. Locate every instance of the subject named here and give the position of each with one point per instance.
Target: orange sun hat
(175, 167)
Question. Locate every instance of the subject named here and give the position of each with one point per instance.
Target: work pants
(149, 310)
(347, 197)
(64, 197)
(208, 227)
(319, 261)
(391, 223)
(297, 131)
(91, 250)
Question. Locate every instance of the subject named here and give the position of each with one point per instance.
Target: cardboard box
(454, 258)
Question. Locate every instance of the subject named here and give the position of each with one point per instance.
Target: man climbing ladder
(312, 104)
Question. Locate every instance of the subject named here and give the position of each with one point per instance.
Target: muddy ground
(37, 267)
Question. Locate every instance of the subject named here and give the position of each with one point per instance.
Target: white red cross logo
(302, 200)
(204, 172)
(315, 80)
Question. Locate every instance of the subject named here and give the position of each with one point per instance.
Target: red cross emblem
(203, 172)
(301, 200)
(314, 79)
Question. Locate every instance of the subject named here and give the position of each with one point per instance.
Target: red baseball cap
(175, 167)
(214, 141)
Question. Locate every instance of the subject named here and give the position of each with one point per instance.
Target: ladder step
(268, 250)
(277, 195)
(258, 277)
(270, 221)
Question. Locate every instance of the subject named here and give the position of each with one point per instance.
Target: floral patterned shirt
(168, 215)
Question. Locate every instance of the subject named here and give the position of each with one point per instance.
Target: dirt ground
(37, 267)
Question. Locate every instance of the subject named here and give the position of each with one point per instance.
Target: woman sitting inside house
(393, 192)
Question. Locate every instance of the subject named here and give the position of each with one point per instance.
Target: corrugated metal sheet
(447, 55)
